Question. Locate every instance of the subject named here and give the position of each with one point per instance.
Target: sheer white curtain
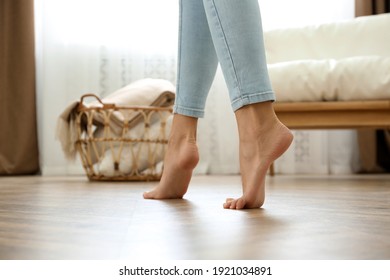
(97, 46)
(101, 45)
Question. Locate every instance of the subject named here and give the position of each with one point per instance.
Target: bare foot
(180, 160)
(263, 138)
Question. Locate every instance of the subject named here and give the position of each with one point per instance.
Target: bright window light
(146, 25)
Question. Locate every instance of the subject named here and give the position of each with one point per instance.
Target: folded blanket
(145, 92)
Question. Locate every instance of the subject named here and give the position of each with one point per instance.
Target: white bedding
(362, 36)
(352, 78)
(345, 60)
(138, 155)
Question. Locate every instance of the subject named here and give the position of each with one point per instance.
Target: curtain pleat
(374, 145)
(18, 128)
(371, 7)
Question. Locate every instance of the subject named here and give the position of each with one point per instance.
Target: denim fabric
(224, 31)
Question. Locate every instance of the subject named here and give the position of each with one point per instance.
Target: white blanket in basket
(144, 92)
(139, 156)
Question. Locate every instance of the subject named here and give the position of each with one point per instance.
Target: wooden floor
(305, 217)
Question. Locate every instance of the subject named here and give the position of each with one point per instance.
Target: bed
(332, 76)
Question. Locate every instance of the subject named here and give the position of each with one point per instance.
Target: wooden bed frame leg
(272, 169)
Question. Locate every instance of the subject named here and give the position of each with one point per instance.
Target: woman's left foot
(263, 139)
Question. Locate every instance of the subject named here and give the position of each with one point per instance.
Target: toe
(240, 203)
(233, 204)
(228, 202)
(148, 195)
(226, 205)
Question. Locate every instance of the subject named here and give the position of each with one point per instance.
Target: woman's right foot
(180, 160)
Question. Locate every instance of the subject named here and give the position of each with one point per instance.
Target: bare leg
(180, 160)
(263, 138)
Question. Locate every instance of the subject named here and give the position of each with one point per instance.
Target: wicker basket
(122, 143)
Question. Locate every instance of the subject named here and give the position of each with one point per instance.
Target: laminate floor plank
(304, 217)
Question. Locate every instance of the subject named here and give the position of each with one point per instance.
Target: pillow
(361, 36)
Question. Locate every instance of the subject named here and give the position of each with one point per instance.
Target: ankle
(184, 128)
(255, 119)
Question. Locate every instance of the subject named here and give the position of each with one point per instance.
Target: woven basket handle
(105, 105)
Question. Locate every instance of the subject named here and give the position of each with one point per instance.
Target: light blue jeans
(225, 31)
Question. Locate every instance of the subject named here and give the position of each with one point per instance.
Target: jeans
(224, 31)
